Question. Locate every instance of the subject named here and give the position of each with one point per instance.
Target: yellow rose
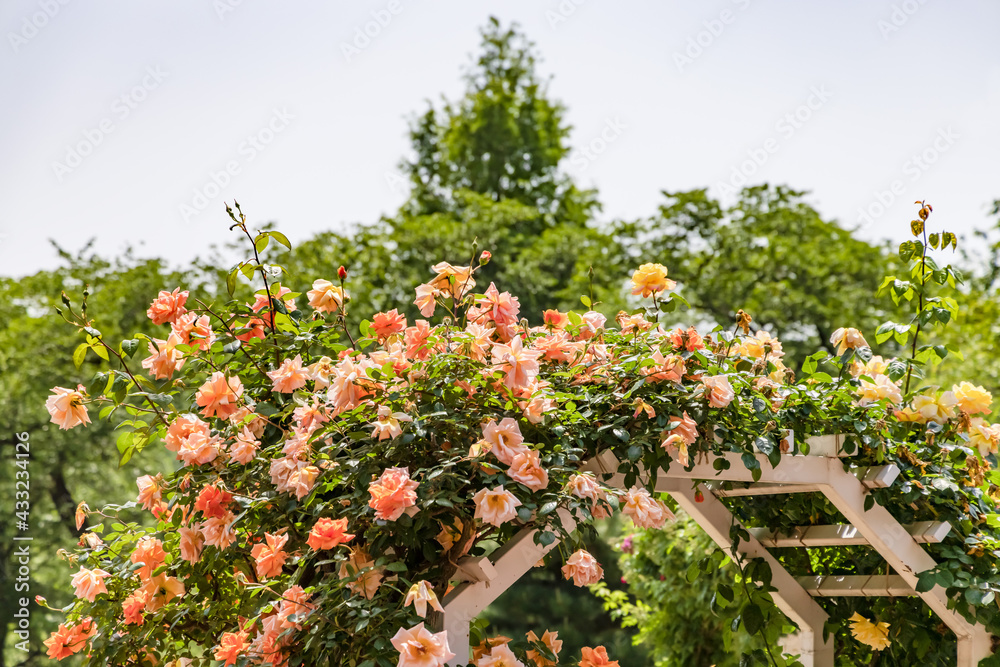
(972, 399)
(651, 278)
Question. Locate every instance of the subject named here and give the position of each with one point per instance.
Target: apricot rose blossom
(66, 408)
(392, 494)
(219, 396)
(496, 506)
(328, 533)
(418, 647)
(582, 568)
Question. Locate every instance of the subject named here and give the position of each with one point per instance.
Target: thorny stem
(920, 307)
(231, 333)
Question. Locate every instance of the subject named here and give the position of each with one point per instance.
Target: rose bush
(330, 481)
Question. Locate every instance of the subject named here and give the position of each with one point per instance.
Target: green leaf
(821, 377)
(926, 581)
(281, 238)
(130, 347)
(231, 282)
(79, 354)
(548, 508)
(585, 300)
(753, 618)
(261, 241)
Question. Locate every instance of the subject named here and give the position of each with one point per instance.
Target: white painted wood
(715, 519)
(475, 570)
(856, 586)
(508, 563)
(843, 534)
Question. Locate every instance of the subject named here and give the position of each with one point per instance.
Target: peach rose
(388, 323)
(164, 359)
(66, 408)
(644, 510)
(181, 428)
(387, 426)
(651, 279)
(972, 399)
(935, 408)
(583, 569)
(392, 494)
(270, 558)
(504, 439)
(364, 578)
(133, 606)
(551, 641)
(218, 530)
(881, 387)
(212, 501)
(847, 339)
(418, 647)
(191, 543)
(420, 595)
(495, 506)
(244, 449)
(219, 396)
(984, 436)
(149, 492)
(289, 376)
(597, 657)
(525, 469)
(499, 656)
(718, 390)
(148, 551)
(194, 331)
(231, 646)
(90, 583)
(518, 363)
(451, 280)
(71, 639)
(325, 297)
(168, 306)
(161, 589)
(328, 534)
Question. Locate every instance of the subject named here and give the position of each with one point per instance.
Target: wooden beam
(891, 585)
(843, 534)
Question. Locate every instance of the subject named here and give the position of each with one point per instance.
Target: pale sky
(116, 115)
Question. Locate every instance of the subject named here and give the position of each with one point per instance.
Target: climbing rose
(972, 399)
(360, 569)
(718, 390)
(392, 494)
(387, 424)
(244, 449)
(499, 656)
(526, 470)
(193, 330)
(168, 306)
(149, 492)
(161, 589)
(686, 430)
(387, 324)
(583, 569)
(328, 534)
(270, 557)
(504, 439)
(934, 408)
(231, 646)
(420, 595)
(847, 339)
(519, 364)
(651, 279)
(148, 551)
(68, 640)
(164, 357)
(90, 583)
(212, 501)
(875, 635)
(984, 436)
(644, 510)
(289, 376)
(551, 641)
(451, 280)
(191, 543)
(418, 647)
(495, 506)
(881, 387)
(218, 396)
(597, 657)
(133, 606)
(66, 408)
(326, 297)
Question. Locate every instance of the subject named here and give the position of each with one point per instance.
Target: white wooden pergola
(822, 471)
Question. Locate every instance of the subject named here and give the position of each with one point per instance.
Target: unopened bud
(341, 273)
(485, 257)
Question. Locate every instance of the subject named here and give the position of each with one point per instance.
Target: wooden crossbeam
(844, 534)
(863, 585)
(876, 477)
